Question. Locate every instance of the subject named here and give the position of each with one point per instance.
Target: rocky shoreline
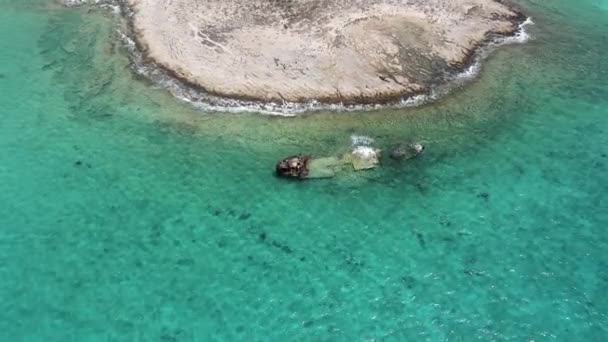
(211, 46)
(393, 87)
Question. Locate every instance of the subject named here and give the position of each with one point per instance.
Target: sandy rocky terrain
(348, 51)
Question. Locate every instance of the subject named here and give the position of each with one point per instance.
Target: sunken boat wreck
(293, 166)
(361, 157)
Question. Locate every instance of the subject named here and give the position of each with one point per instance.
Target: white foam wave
(470, 73)
(522, 35)
(365, 152)
(361, 140)
(415, 100)
(113, 8)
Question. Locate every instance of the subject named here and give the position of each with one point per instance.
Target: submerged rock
(326, 167)
(407, 151)
(364, 157)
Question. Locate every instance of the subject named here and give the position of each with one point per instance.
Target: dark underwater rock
(407, 151)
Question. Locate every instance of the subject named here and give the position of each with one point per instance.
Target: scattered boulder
(407, 151)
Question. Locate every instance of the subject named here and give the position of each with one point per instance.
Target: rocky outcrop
(357, 51)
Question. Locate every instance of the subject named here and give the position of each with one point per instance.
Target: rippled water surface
(128, 216)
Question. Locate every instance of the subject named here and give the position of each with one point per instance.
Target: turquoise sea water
(128, 216)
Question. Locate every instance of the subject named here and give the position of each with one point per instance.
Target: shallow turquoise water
(126, 215)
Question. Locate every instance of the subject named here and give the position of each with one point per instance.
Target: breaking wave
(361, 140)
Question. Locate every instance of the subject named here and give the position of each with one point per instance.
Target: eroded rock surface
(351, 51)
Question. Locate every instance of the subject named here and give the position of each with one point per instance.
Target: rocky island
(332, 51)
